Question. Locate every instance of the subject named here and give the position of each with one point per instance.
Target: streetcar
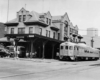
(77, 51)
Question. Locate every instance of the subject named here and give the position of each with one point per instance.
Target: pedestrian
(35, 53)
(27, 54)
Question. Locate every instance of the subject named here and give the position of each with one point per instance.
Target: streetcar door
(66, 50)
(75, 51)
(61, 50)
(70, 51)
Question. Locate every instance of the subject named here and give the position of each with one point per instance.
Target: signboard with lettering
(31, 35)
(20, 37)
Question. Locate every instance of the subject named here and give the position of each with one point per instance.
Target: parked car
(4, 52)
(20, 51)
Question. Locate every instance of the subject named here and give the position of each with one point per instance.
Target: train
(77, 51)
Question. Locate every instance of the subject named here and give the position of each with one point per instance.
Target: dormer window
(22, 11)
(19, 18)
(47, 20)
(24, 17)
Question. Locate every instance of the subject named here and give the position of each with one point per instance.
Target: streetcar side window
(85, 51)
(74, 48)
(70, 47)
(66, 47)
(77, 48)
(61, 47)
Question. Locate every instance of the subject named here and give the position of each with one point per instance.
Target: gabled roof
(71, 25)
(49, 13)
(34, 16)
(66, 15)
(56, 25)
(13, 21)
(23, 9)
(60, 17)
(56, 17)
(76, 27)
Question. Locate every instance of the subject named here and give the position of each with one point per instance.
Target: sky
(83, 13)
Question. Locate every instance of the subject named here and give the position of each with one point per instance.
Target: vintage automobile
(4, 52)
(20, 50)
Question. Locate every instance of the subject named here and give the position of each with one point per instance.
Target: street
(46, 69)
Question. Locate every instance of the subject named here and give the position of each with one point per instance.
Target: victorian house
(41, 32)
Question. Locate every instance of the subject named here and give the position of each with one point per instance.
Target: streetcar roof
(68, 43)
(82, 45)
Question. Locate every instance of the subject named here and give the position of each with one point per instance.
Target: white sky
(84, 13)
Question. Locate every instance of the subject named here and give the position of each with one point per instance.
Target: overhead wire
(87, 30)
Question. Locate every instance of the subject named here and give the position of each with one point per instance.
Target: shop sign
(20, 36)
(31, 35)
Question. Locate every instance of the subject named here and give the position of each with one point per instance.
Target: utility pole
(8, 11)
(92, 41)
(25, 6)
(42, 6)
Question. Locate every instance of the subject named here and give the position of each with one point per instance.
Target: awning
(11, 24)
(4, 39)
(22, 36)
(14, 46)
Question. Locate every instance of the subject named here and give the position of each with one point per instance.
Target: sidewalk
(36, 59)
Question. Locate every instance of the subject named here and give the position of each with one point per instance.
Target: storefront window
(19, 18)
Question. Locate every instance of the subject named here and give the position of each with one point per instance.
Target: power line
(87, 30)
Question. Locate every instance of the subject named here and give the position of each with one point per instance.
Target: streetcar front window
(66, 47)
(70, 47)
(61, 47)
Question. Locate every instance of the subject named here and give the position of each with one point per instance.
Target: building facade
(41, 33)
(2, 30)
(91, 38)
(92, 32)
